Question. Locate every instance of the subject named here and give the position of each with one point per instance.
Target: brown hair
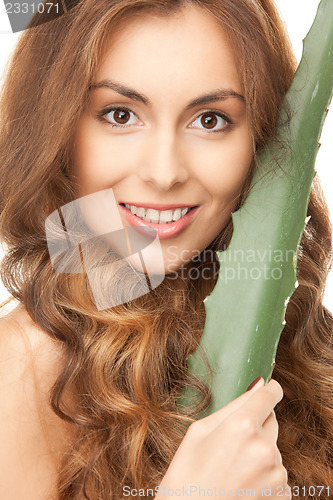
(126, 366)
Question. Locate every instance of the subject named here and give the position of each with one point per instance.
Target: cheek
(98, 162)
(224, 167)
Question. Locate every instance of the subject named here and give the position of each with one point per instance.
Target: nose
(162, 164)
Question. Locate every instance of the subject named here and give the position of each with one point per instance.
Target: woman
(118, 95)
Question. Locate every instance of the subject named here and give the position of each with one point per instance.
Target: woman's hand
(232, 450)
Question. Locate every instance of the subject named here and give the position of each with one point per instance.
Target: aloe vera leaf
(245, 312)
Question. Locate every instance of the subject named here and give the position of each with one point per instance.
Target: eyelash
(101, 117)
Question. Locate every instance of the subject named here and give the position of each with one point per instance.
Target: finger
(270, 432)
(216, 418)
(270, 428)
(263, 401)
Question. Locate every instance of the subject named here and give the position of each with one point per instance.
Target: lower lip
(163, 230)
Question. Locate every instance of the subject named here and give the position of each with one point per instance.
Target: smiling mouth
(154, 216)
(167, 223)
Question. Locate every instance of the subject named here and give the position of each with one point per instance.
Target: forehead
(188, 47)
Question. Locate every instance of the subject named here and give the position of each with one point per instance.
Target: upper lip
(159, 206)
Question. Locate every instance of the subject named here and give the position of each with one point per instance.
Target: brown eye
(209, 120)
(121, 116)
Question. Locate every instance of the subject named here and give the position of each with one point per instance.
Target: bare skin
(33, 438)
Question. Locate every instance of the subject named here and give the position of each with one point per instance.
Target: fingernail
(255, 381)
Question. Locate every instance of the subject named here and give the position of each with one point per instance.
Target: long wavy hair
(126, 367)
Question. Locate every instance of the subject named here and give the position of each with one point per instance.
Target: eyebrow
(218, 95)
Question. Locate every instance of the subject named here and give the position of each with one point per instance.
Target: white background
(298, 16)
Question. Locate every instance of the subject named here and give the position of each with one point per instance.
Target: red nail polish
(253, 383)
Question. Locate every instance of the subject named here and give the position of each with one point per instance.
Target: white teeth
(177, 214)
(158, 216)
(153, 215)
(166, 216)
(140, 212)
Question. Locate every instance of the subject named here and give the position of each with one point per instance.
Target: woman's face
(166, 129)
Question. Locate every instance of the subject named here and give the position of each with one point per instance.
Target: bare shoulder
(27, 353)
(19, 332)
(32, 436)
